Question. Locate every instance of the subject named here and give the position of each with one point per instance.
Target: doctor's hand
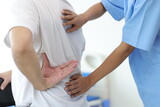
(76, 21)
(77, 85)
(6, 76)
(54, 75)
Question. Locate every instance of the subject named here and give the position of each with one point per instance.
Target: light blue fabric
(115, 8)
(141, 30)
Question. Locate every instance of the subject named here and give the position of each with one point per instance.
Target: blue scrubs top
(141, 30)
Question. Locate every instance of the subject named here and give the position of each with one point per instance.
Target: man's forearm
(94, 12)
(25, 56)
(111, 63)
(28, 64)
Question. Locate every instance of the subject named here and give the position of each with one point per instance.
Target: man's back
(43, 18)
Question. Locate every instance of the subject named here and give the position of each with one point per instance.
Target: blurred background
(102, 36)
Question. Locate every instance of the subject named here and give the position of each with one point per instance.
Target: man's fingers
(69, 69)
(1, 75)
(1, 79)
(71, 66)
(4, 84)
(45, 60)
(73, 63)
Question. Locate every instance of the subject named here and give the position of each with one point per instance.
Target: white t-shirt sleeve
(22, 13)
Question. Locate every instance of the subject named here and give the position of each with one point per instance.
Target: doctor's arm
(78, 21)
(79, 85)
(27, 61)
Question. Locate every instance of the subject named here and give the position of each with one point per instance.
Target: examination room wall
(5, 55)
(102, 36)
(6, 61)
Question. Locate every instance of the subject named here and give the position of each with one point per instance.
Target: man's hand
(76, 21)
(6, 76)
(54, 75)
(78, 85)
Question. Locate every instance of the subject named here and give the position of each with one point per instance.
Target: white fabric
(43, 18)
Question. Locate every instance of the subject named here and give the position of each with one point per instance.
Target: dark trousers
(6, 97)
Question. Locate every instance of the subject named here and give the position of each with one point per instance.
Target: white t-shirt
(43, 19)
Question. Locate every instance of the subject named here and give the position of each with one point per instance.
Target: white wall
(102, 37)
(5, 55)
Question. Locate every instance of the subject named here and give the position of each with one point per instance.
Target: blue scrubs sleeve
(115, 8)
(141, 29)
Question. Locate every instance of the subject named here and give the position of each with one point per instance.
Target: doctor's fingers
(73, 28)
(71, 88)
(77, 94)
(68, 17)
(45, 60)
(67, 12)
(69, 22)
(72, 82)
(74, 77)
(73, 92)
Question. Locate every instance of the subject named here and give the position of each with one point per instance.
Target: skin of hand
(77, 21)
(54, 75)
(27, 61)
(6, 76)
(79, 85)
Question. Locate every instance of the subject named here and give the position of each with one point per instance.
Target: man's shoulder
(22, 2)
